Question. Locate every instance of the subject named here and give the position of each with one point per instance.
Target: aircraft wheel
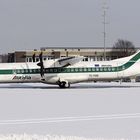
(64, 85)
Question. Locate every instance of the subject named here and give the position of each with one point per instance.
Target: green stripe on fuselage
(6, 72)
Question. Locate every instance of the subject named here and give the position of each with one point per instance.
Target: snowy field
(93, 110)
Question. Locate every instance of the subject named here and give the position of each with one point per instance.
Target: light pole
(105, 8)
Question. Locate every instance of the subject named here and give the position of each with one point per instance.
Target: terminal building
(90, 54)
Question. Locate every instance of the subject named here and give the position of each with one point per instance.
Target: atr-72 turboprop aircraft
(69, 70)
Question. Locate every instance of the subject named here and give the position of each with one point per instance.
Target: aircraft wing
(64, 62)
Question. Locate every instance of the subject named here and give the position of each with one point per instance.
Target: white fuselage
(78, 72)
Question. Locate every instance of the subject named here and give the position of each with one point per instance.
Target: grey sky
(29, 24)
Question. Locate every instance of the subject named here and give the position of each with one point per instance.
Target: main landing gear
(64, 84)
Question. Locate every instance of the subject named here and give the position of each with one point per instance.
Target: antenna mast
(105, 8)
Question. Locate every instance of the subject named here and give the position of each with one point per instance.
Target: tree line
(123, 48)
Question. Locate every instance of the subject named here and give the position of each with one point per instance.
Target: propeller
(33, 57)
(41, 65)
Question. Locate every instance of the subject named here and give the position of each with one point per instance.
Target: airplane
(69, 70)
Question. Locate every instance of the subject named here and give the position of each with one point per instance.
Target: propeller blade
(41, 65)
(33, 57)
(42, 71)
(40, 57)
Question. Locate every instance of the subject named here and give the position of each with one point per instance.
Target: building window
(27, 59)
(101, 58)
(44, 58)
(30, 59)
(50, 57)
(98, 58)
(92, 58)
(86, 59)
(37, 59)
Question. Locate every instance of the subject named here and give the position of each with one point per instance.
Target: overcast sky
(31, 24)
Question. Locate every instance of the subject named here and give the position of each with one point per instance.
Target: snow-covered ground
(106, 110)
